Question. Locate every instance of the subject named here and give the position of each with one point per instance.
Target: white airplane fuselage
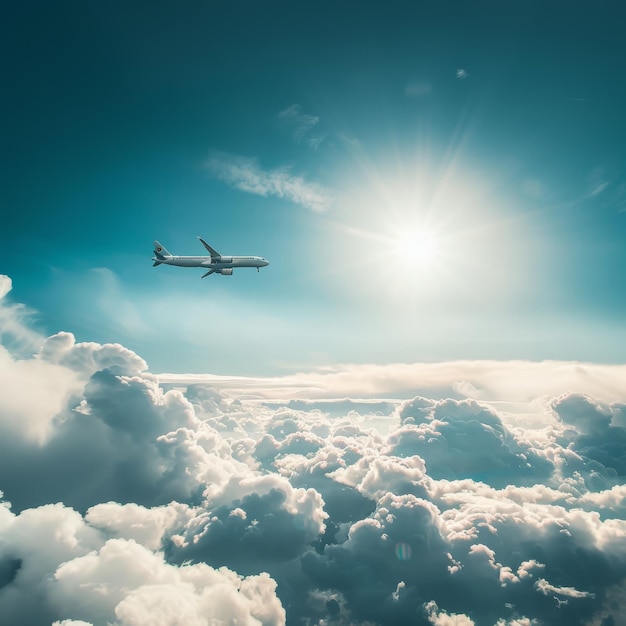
(209, 263)
(215, 264)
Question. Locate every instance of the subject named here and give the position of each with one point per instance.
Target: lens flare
(403, 551)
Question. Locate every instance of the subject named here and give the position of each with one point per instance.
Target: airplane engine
(227, 271)
(225, 259)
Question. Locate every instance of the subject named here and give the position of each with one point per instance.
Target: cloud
(614, 607)
(301, 125)
(99, 428)
(318, 497)
(492, 381)
(596, 433)
(140, 588)
(273, 527)
(599, 188)
(15, 331)
(66, 568)
(569, 592)
(146, 526)
(6, 284)
(25, 415)
(607, 188)
(244, 173)
(462, 439)
(87, 358)
(443, 619)
(418, 89)
(462, 74)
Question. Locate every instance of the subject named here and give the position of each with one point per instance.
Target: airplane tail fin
(160, 253)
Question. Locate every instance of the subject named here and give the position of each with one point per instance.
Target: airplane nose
(265, 262)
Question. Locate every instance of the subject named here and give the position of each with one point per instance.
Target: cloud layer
(128, 501)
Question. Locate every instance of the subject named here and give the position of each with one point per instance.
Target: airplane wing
(211, 251)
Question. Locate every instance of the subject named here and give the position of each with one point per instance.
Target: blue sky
(336, 140)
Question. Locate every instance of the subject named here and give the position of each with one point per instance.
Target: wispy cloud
(462, 74)
(245, 174)
(546, 588)
(610, 189)
(302, 125)
(418, 89)
(599, 188)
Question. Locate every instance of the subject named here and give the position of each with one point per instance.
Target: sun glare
(428, 236)
(417, 249)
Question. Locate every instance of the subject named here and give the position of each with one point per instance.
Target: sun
(418, 234)
(417, 248)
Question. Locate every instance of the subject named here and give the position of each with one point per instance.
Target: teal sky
(430, 181)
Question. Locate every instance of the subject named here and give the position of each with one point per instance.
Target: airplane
(216, 263)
